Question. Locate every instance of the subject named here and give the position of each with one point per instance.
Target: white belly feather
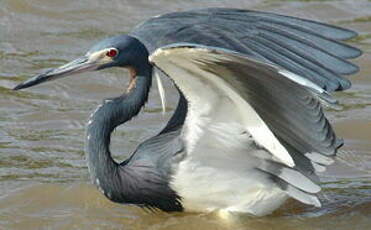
(219, 171)
(215, 180)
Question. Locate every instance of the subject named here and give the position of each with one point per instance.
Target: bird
(249, 130)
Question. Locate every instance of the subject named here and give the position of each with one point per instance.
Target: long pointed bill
(82, 64)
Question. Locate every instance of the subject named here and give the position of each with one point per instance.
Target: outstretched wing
(278, 108)
(307, 48)
(276, 81)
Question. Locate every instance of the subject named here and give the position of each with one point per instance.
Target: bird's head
(118, 51)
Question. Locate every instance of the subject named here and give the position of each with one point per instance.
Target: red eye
(111, 53)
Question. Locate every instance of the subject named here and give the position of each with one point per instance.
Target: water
(44, 181)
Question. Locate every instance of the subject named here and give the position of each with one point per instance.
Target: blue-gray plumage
(249, 115)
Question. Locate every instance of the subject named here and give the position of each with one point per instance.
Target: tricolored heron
(249, 130)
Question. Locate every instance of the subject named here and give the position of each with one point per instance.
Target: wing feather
(310, 49)
(288, 104)
(281, 110)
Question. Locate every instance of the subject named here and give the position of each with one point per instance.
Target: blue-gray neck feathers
(130, 181)
(112, 113)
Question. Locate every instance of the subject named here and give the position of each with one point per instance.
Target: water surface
(44, 181)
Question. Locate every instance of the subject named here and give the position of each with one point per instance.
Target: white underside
(218, 173)
(226, 140)
(235, 194)
(208, 185)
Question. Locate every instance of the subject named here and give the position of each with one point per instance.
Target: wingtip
(319, 158)
(356, 52)
(317, 203)
(327, 100)
(347, 34)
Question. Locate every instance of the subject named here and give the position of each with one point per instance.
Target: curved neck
(112, 113)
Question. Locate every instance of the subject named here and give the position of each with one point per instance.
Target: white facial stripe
(100, 56)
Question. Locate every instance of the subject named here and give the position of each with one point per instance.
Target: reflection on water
(81, 206)
(44, 183)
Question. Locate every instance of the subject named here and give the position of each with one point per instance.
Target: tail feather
(299, 195)
(291, 176)
(319, 158)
